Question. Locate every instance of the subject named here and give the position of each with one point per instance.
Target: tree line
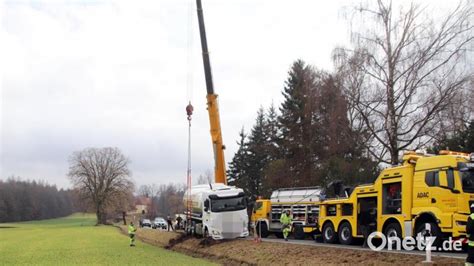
(165, 199)
(405, 83)
(32, 200)
(308, 141)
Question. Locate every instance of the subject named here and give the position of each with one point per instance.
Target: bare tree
(458, 114)
(102, 176)
(151, 191)
(205, 178)
(411, 67)
(170, 199)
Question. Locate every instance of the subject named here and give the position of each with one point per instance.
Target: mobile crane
(215, 210)
(212, 105)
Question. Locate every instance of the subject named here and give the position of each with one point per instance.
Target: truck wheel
(299, 232)
(393, 230)
(345, 233)
(262, 229)
(435, 231)
(329, 234)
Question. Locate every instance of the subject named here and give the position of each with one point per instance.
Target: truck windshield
(228, 204)
(467, 176)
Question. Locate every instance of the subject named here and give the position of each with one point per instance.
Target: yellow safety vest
(131, 229)
(285, 219)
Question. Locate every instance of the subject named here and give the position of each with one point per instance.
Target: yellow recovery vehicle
(303, 204)
(425, 189)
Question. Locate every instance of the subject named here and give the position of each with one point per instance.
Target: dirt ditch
(246, 252)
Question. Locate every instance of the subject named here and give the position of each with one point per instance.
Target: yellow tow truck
(426, 189)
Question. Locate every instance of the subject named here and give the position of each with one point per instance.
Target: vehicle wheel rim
(392, 233)
(345, 233)
(329, 233)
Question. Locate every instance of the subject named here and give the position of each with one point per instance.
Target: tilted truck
(303, 204)
(218, 211)
(426, 189)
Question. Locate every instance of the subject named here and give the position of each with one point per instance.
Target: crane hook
(189, 110)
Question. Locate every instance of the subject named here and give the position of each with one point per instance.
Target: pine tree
(272, 134)
(339, 149)
(258, 155)
(295, 122)
(462, 141)
(236, 174)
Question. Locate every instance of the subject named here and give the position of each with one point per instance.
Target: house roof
(142, 201)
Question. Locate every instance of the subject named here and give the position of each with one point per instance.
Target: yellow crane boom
(212, 105)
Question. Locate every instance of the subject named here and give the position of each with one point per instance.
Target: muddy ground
(247, 252)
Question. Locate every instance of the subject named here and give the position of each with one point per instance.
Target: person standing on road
(470, 238)
(131, 232)
(285, 221)
(178, 222)
(170, 224)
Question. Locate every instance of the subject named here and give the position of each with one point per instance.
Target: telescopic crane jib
(212, 105)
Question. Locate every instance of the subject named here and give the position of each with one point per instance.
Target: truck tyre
(435, 231)
(299, 232)
(329, 234)
(393, 230)
(262, 229)
(345, 233)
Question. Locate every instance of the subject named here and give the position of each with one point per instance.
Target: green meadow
(76, 240)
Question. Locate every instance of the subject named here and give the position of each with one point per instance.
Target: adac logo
(423, 195)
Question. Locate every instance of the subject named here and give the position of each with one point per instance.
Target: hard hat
(472, 205)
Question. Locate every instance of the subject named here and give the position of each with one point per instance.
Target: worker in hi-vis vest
(131, 232)
(285, 221)
(470, 237)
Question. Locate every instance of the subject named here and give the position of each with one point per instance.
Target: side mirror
(206, 205)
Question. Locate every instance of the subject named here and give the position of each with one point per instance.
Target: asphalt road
(459, 255)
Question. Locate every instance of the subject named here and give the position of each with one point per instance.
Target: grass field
(75, 240)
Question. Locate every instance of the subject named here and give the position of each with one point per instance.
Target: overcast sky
(77, 74)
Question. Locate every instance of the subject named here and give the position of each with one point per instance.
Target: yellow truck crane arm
(212, 105)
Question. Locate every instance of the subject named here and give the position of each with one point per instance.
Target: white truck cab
(218, 211)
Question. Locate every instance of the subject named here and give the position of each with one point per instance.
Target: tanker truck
(218, 211)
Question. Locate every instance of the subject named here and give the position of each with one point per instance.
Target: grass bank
(76, 240)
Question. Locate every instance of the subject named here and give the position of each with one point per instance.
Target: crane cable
(189, 112)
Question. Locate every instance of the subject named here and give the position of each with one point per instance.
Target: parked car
(160, 223)
(146, 223)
